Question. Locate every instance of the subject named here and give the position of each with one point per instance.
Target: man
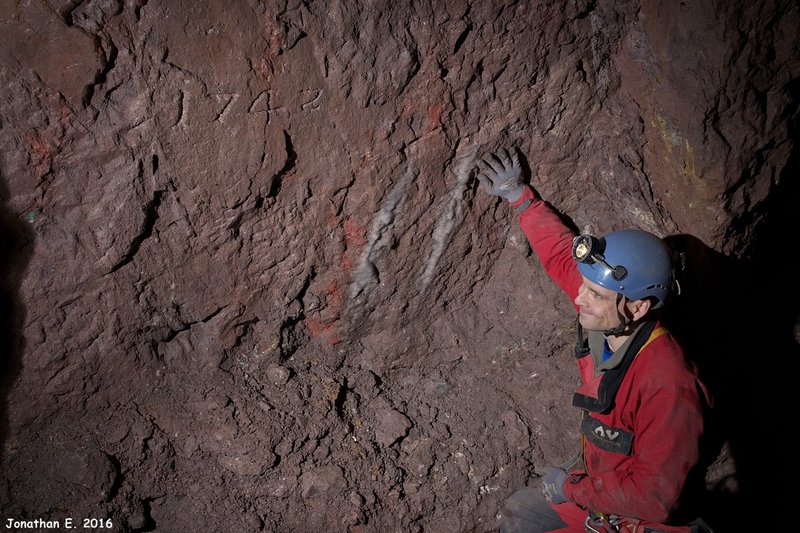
(642, 402)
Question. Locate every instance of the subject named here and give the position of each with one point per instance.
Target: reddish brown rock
(245, 258)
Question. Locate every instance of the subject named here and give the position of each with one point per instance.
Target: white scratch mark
(232, 98)
(314, 102)
(379, 237)
(183, 108)
(261, 104)
(451, 214)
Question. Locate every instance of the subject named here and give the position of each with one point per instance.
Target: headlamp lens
(581, 250)
(583, 247)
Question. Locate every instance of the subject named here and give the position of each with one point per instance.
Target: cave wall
(251, 277)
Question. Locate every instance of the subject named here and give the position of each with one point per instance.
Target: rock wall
(250, 281)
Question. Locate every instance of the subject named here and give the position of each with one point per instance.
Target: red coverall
(658, 410)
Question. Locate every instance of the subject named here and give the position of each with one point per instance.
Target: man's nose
(579, 297)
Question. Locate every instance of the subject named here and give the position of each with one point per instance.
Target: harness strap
(653, 336)
(612, 378)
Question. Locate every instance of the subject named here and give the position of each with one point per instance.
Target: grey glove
(501, 174)
(553, 484)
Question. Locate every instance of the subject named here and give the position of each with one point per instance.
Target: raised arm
(501, 175)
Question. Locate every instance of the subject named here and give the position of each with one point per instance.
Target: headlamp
(589, 249)
(585, 246)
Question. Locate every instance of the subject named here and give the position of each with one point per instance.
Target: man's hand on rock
(501, 174)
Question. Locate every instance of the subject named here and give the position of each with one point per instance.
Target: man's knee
(527, 511)
(516, 511)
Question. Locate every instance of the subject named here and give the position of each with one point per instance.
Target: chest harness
(610, 439)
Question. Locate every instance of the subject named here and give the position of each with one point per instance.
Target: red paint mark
(355, 237)
(323, 328)
(264, 68)
(40, 152)
(334, 296)
(326, 325)
(354, 234)
(316, 327)
(57, 101)
(434, 115)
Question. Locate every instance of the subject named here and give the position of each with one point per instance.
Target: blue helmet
(634, 263)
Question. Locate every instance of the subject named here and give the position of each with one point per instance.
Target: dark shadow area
(16, 247)
(738, 320)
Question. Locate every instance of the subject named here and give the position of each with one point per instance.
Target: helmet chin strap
(623, 321)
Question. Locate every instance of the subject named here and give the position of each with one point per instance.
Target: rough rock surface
(249, 283)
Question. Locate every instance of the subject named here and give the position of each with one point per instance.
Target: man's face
(598, 306)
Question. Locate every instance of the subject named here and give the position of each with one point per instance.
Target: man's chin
(589, 324)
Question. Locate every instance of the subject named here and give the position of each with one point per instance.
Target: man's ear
(639, 308)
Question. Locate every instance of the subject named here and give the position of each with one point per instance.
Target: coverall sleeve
(668, 427)
(552, 242)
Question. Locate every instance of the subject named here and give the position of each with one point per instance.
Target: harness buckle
(600, 523)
